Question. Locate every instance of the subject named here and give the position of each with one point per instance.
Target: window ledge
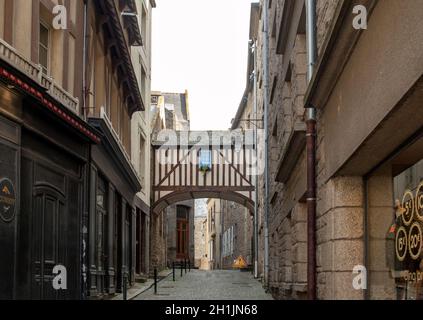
(294, 148)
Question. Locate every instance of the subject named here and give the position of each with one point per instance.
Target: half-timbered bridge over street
(204, 164)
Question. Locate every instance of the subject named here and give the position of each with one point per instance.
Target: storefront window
(395, 225)
(101, 193)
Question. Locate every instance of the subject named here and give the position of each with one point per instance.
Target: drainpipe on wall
(224, 213)
(311, 157)
(255, 226)
(266, 134)
(85, 219)
(84, 63)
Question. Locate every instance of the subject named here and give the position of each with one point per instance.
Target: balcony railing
(60, 94)
(35, 73)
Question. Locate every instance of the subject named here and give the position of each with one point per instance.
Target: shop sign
(401, 243)
(409, 236)
(7, 200)
(419, 202)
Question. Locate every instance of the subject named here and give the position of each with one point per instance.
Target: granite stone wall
(340, 200)
(158, 241)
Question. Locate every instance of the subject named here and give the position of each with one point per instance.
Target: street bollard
(182, 269)
(173, 270)
(155, 281)
(189, 265)
(185, 265)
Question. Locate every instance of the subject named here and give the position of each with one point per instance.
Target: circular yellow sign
(419, 202)
(401, 244)
(408, 207)
(415, 241)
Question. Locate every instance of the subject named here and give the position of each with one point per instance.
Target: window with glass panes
(44, 45)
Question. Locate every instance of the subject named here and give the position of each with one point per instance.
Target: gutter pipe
(311, 134)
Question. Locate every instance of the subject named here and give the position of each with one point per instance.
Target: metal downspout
(84, 224)
(256, 173)
(311, 157)
(84, 63)
(266, 134)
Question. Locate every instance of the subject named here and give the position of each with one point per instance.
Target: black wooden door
(128, 247)
(182, 230)
(49, 217)
(143, 242)
(9, 208)
(118, 243)
(49, 228)
(138, 243)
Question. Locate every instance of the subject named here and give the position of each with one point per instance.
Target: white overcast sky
(202, 46)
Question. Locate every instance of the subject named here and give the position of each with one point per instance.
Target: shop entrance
(49, 228)
(49, 221)
(395, 216)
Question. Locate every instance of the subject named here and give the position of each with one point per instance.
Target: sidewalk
(139, 288)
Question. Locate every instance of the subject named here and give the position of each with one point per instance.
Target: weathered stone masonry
(340, 200)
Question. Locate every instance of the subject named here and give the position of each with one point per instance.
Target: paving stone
(209, 285)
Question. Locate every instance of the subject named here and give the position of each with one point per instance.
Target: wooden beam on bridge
(204, 189)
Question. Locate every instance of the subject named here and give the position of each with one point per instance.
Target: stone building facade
(67, 98)
(248, 119)
(214, 230)
(158, 242)
(141, 135)
(237, 236)
(287, 183)
(170, 111)
(229, 234)
(45, 144)
(200, 226)
(365, 86)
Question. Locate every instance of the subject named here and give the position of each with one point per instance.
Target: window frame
(205, 153)
(142, 156)
(47, 68)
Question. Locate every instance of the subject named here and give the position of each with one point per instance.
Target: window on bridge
(205, 160)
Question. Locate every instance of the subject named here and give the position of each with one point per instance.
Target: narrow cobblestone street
(208, 285)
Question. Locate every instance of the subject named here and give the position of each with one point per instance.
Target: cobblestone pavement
(208, 285)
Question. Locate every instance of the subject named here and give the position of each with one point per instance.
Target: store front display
(395, 226)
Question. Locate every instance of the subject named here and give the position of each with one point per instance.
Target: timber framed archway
(179, 173)
(179, 196)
